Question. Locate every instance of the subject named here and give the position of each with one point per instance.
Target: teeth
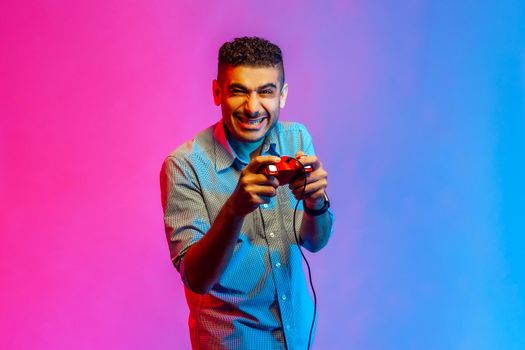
(252, 122)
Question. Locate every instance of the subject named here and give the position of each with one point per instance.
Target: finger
(310, 177)
(299, 154)
(317, 195)
(313, 161)
(300, 181)
(270, 180)
(260, 179)
(256, 163)
(262, 190)
(310, 188)
(273, 181)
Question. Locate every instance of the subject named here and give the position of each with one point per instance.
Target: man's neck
(245, 150)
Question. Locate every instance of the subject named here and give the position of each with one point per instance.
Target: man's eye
(267, 92)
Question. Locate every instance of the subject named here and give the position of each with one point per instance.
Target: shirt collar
(271, 142)
(225, 155)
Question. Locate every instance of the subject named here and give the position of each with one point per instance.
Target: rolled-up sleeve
(308, 145)
(185, 216)
(310, 151)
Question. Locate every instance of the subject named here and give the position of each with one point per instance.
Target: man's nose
(253, 105)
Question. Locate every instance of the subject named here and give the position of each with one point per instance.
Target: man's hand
(316, 182)
(253, 189)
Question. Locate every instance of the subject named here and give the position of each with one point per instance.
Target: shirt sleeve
(306, 141)
(308, 145)
(185, 216)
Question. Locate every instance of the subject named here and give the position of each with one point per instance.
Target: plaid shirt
(261, 301)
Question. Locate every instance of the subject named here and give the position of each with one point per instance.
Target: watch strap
(320, 211)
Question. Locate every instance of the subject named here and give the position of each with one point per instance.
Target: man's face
(250, 99)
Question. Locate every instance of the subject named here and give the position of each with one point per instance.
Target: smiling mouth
(250, 121)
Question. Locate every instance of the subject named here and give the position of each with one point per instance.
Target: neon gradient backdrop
(417, 111)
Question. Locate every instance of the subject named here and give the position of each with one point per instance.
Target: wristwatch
(320, 211)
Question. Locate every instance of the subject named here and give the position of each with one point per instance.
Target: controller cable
(300, 249)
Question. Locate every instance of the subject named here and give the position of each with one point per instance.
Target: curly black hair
(250, 51)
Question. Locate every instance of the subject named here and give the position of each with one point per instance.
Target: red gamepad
(287, 170)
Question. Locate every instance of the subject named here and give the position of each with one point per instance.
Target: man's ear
(216, 90)
(284, 94)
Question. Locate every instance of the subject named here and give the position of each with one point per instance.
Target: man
(229, 226)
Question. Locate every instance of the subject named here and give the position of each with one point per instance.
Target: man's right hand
(253, 188)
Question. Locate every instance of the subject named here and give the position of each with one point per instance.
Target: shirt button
(272, 234)
(283, 297)
(278, 264)
(287, 326)
(265, 205)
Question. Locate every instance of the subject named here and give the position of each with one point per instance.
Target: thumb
(299, 154)
(256, 163)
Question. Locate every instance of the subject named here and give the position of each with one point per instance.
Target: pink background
(416, 109)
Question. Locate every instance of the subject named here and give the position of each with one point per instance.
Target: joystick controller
(287, 170)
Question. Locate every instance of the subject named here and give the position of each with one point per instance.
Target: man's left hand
(316, 182)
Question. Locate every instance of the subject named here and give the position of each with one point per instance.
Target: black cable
(302, 254)
(300, 250)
